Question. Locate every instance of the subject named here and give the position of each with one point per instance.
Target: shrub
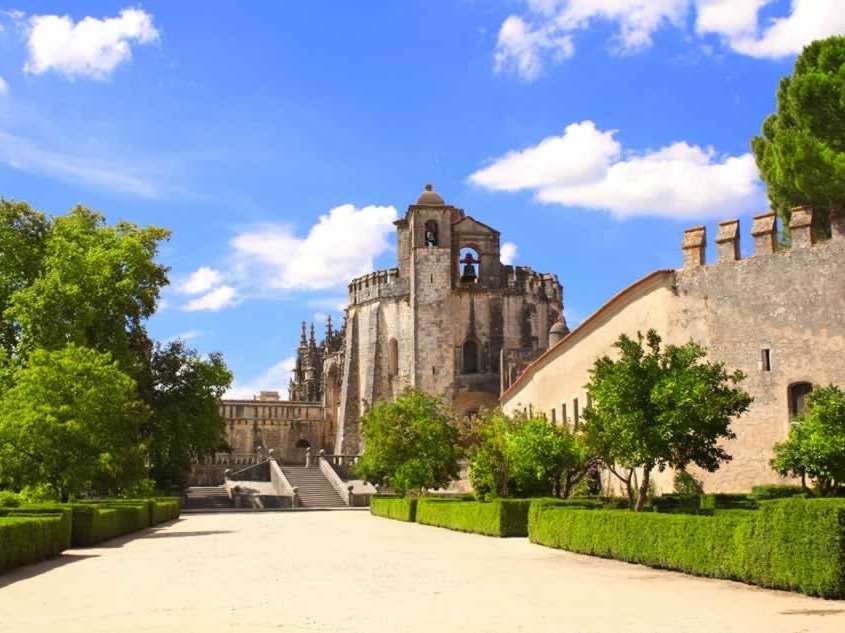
(501, 517)
(728, 502)
(762, 493)
(687, 485)
(164, 509)
(399, 508)
(95, 522)
(9, 499)
(677, 503)
(27, 538)
(795, 544)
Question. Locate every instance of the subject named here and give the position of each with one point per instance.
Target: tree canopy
(653, 407)
(71, 420)
(815, 447)
(409, 444)
(801, 151)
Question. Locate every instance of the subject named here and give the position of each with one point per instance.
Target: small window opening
(563, 413)
(576, 413)
(766, 359)
(303, 443)
(554, 416)
(798, 393)
(392, 357)
(431, 233)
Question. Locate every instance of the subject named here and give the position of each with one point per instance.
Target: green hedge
(30, 537)
(95, 522)
(795, 544)
(501, 517)
(399, 508)
(776, 492)
(164, 509)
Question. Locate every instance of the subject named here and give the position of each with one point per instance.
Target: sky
(278, 141)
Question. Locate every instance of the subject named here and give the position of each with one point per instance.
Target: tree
(71, 419)
(801, 152)
(23, 234)
(653, 408)
(524, 456)
(184, 395)
(815, 447)
(409, 444)
(94, 286)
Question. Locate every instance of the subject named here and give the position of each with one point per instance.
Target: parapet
(374, 285)
(525, 280)
(764, 231)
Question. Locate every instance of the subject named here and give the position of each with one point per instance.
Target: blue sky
(278, 141)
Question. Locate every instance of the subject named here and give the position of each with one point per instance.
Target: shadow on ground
(35, 569)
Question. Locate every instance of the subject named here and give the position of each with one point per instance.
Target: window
(563, 413)
(470, 357)
(576, 413)
(431, 233)
(468, 262)
(303, 443)
(798, 393)
(766, 359)
(392, 357)
(554, 418)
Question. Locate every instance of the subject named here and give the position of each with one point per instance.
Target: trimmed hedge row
(501, 517)
(399, 508)
(795, 544)
(30, 538)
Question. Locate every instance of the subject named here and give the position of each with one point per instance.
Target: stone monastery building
(452, 320)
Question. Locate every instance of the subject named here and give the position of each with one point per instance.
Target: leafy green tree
(94, 287)
(653, 408)
(801, 152)
(23, 235)
(815, 447)
(409, 444)
(524, 456)
(184, 390)
(71, 420)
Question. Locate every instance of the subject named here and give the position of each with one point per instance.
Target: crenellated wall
(779, 316)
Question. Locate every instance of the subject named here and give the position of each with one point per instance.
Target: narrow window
(393, 357)
(470, 357)
(431, 233)
(563, 413)
(576, 413)
(798, 393)
(766, 359)
(468, 263)
(554, 418)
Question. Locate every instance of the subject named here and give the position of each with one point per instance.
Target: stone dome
(430, 197)
(557, 331)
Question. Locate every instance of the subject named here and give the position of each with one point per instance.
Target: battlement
(526, 280)
(764, 232)
(381, 283)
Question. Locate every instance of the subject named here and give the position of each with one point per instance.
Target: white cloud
(342, 245)
(545, 32)
(23, 154)
(508, 253)
(91, 47)
(201, 280)
(676, 181)
(275, 378)
(214, 300)
(186, 336)
(4, 86)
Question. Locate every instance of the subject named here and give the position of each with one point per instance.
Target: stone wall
(789, 302)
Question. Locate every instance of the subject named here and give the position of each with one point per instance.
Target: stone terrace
(345, 571)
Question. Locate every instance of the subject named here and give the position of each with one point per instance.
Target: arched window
(303, 443)
(798, 393)
(431, 233)
(470, 357)
(468, 263)
(392, 357)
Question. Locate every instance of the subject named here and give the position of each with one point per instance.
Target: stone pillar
(695, 241)
(728, 241)
(801, 227)
(837, 223)
(764, 231)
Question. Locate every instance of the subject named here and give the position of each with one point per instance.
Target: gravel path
(345, 572)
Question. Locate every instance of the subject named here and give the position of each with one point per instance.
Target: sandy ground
(344, 572)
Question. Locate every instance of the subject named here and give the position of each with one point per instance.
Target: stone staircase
(314, 490)
(204, 497)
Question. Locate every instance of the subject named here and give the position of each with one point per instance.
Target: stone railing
(281, 484)
(232, 459)
(342, 464)
(343, 489)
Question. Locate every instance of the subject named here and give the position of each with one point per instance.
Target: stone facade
(778, 316)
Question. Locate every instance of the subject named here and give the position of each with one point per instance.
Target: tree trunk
(641, 498)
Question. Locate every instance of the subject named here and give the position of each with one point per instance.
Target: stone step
(313, 488)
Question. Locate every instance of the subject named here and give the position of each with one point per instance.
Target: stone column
(764, 231)
(801, 227)
(728, 241)
(695, 241)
